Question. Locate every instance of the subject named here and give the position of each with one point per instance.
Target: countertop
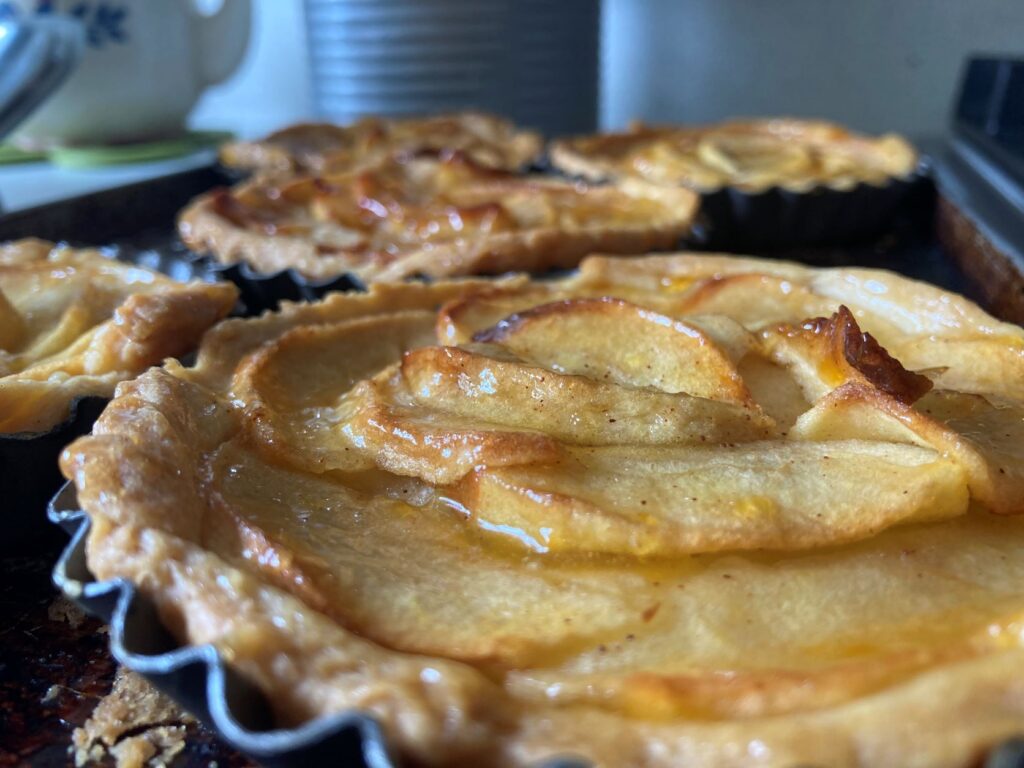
(25, 185)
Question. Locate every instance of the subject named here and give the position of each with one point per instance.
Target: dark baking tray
(29, 476)
(139, 221)
(55, 666)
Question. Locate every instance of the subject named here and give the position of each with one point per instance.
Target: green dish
(97, 156)
(10, 155)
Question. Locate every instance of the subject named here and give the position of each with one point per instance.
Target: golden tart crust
(432, 216)
(323, 147)
(74, 324)
(495, 515)
(747, 155)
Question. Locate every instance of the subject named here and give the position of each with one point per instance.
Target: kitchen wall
(875, 64)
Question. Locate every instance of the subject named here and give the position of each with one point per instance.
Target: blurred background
(876, 65)
(155, 85)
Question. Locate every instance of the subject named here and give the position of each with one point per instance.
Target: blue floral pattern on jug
(103, 21)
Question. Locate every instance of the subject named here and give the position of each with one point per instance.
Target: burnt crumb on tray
(134, 724)
(56, 677)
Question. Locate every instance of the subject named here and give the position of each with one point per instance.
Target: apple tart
(324, 147)
(433, 216)
(764, 184)
(748, 155)
(74, 324)
(676, 510)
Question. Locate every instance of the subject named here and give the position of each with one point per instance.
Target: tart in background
(677, 510)
(326, 148)
(763, 183)
(431, 215)
(73, 325)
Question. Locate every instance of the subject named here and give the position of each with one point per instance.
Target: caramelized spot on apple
(862, 352)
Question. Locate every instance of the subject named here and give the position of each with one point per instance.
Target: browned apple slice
(755, 160)
(754, 300)
(485, 382)
(824, 353)
(678, 273)
(921, 325)
(389, 571)
(675, 500)
(384, 424)
(985, 365)
(291, 385)
(227, 345)
(448, 410)
(459, 319)
(774, 389)
(890, 309)
(614, 340)
(986, 438)
(914, 307)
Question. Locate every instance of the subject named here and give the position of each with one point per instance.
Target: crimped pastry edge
(537, 250)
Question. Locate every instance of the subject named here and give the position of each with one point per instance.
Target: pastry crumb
(134, 724)
(63, 610)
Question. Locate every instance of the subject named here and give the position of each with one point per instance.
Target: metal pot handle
(36, 55)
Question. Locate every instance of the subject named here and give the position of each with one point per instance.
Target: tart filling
(666, 511)
(749, 155)
(326, 148)
(436, 216)
(75, 323)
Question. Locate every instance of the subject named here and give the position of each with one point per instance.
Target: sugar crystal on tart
(749, 155)
(324, 147)
(673, 510)
(430, 215)
(74, 324)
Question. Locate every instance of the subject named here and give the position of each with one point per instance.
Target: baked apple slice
(630, 346)
(984, 436)
(290, 385)
(446, 410)
(486, 382)
(645, 500)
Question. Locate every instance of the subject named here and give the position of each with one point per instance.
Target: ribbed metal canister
(534, 61)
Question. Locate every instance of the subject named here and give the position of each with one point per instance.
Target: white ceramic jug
(145, 64)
